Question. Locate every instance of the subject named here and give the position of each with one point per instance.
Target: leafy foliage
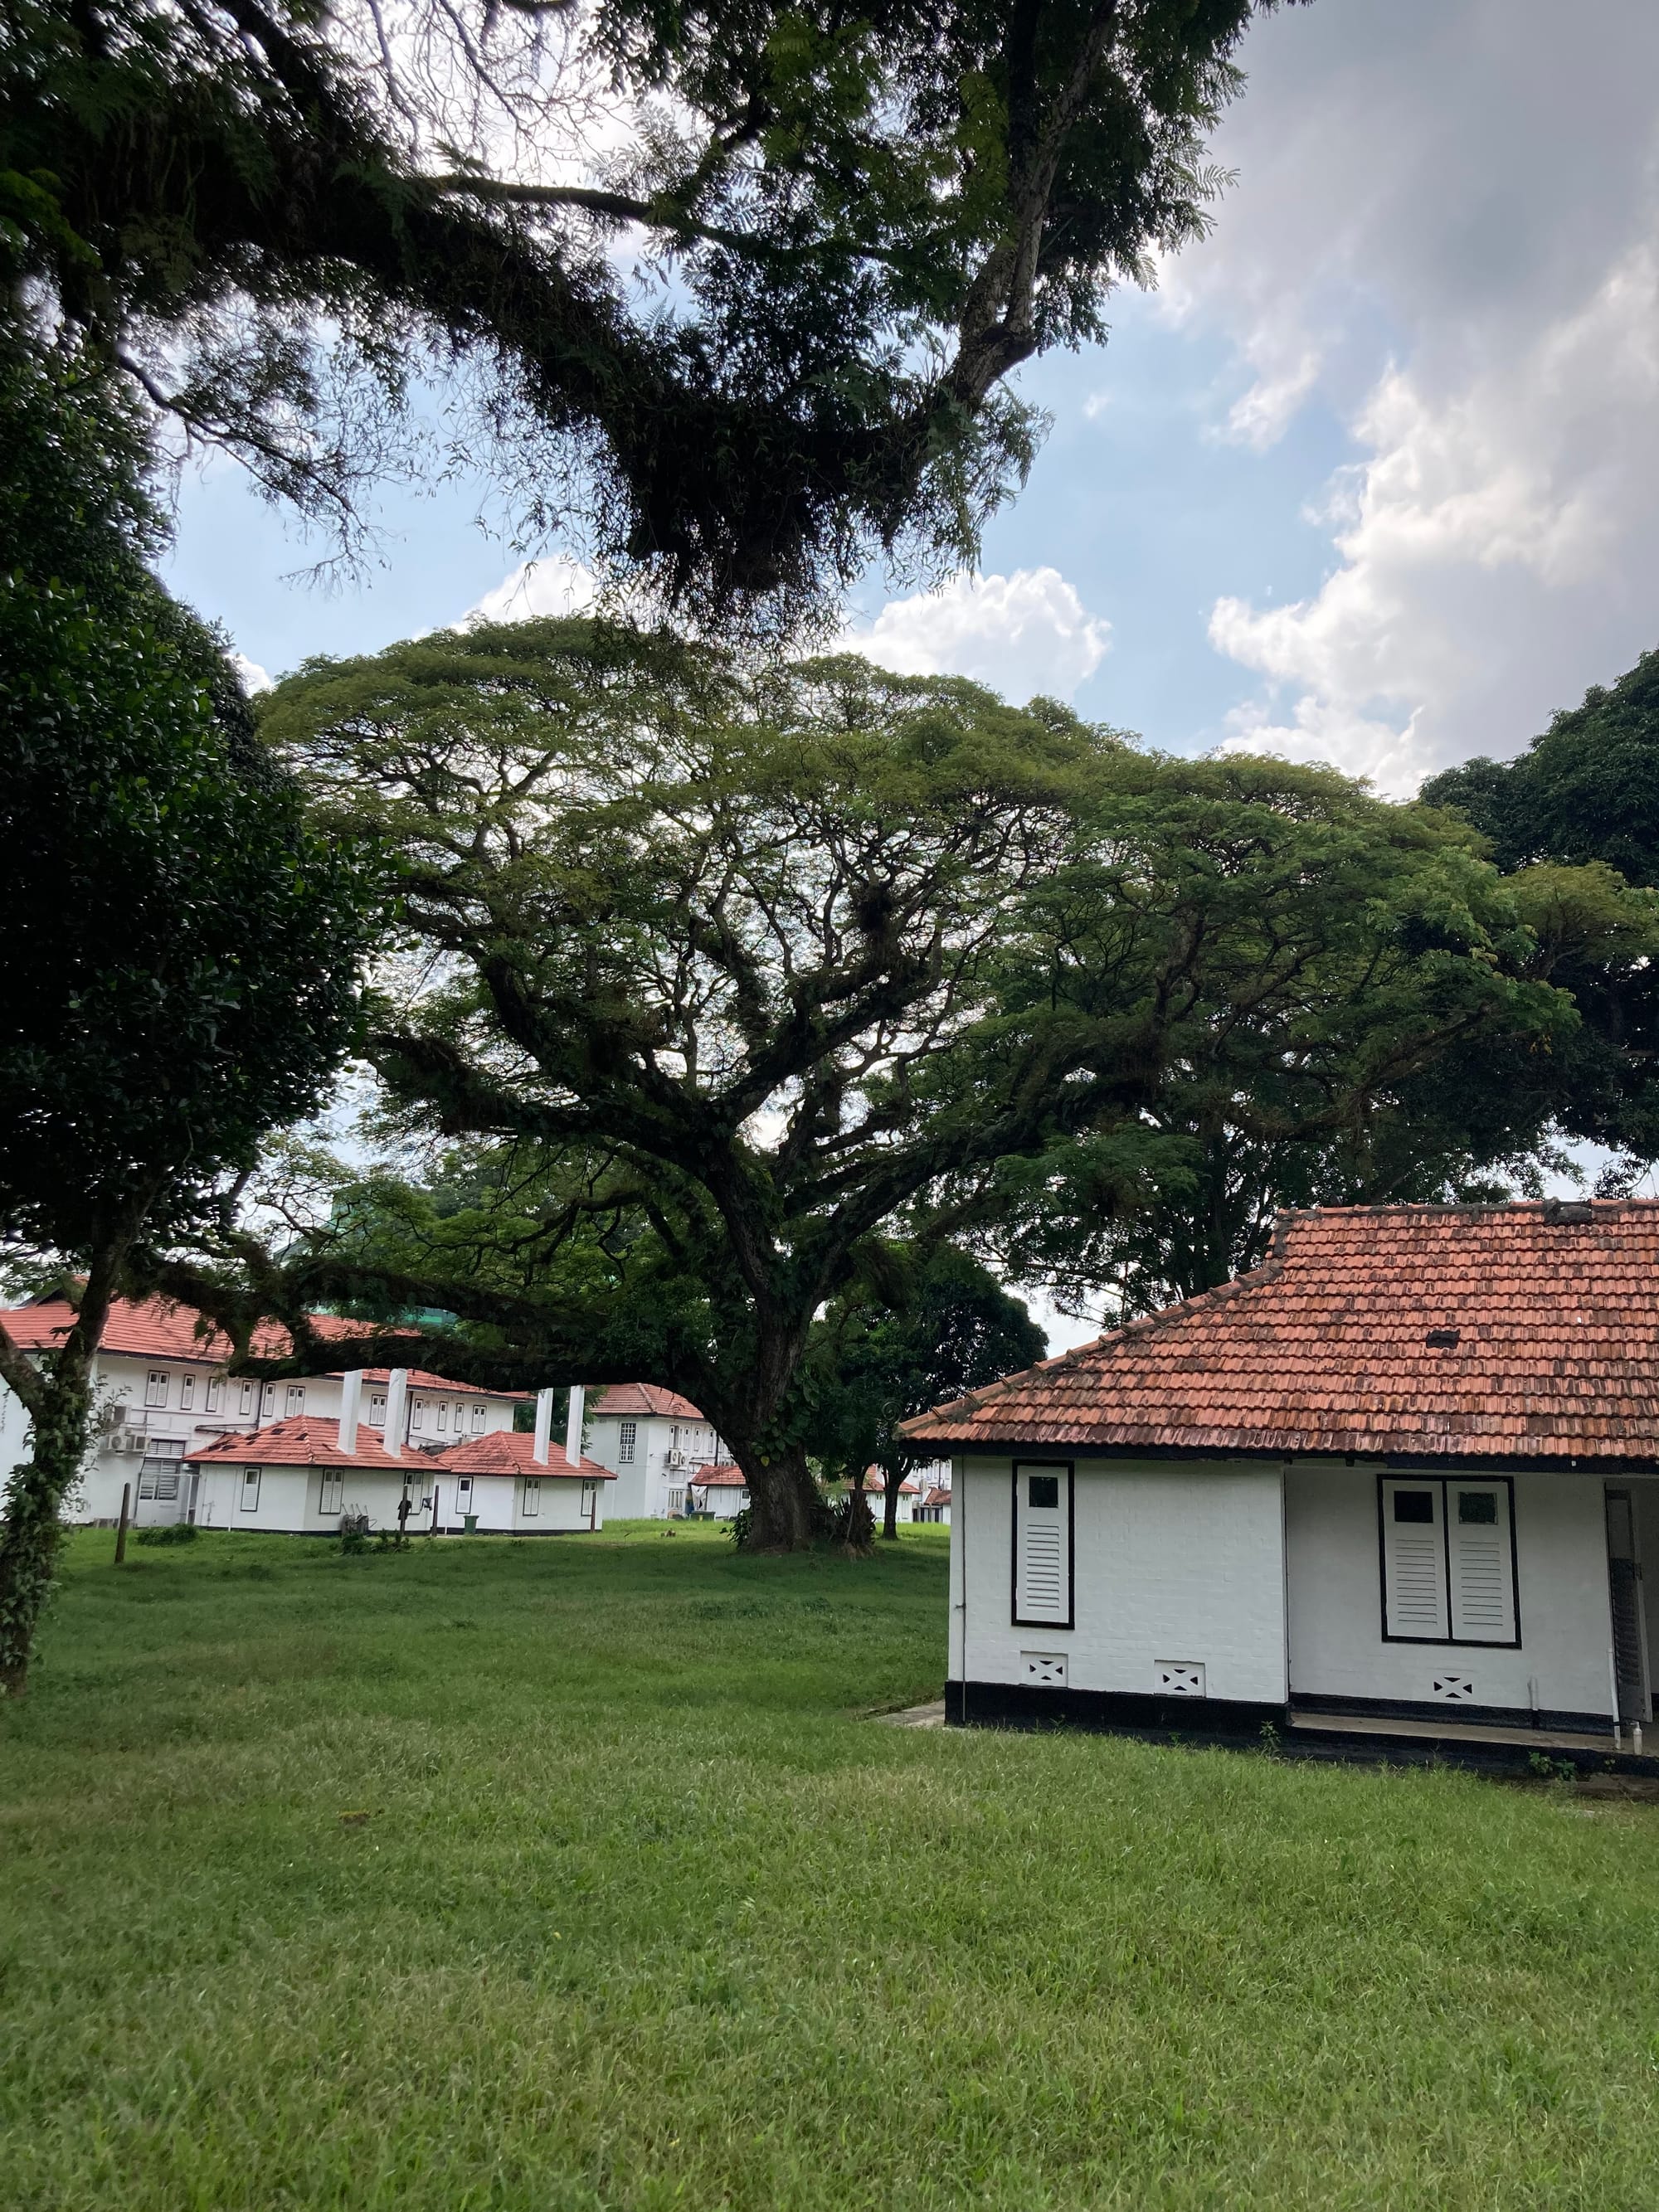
(912, 1338)
(179, 946)
(730, 972)
(848, 230)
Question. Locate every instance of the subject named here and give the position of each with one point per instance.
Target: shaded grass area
(565, 1874)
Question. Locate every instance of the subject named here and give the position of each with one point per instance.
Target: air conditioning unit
(128, 1441)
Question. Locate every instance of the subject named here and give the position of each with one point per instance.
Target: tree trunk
(889, 1504)
(57, 1398)
(783, 1498)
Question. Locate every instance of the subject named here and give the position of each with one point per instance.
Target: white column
(397, 1406)
(573, 1426)
(544, 1426)
(351, 1399)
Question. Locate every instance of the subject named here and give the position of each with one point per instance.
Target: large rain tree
(178, 947)
(731, 290)
(714, 976)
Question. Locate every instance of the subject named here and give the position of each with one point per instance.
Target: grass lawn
(565, 1873)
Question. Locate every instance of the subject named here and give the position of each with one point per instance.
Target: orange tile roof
(643, 1398)
(876, 1482)
(1518, 1332)
(307, 1440)
(722, 1477)
(156, 1328)
(508, 1451)
(937, 1497)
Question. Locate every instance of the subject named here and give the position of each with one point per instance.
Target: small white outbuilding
(1391, 1492)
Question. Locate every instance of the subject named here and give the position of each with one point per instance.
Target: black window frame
(1471, 1481)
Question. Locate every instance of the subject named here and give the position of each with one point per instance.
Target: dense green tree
(726, 971)
(1586, 789)
(914, 1336)
(180, 948)
(1346, 1090)
(858, 224)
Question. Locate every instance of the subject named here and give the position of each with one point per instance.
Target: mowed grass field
(569, 1874)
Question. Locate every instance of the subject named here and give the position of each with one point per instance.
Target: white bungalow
(875, 1489)
(162, 1393)
(1390, 1493)
(496, 1484)
(721, 1491)
(653, 1441)
(298, 1477)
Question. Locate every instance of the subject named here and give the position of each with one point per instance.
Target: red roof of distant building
(156, 1328)
(722, 1477)
(509, 1451)
(876, 1482)
(307, 1440)
(643, 1398)
(937, 1497)
(1526, 1332)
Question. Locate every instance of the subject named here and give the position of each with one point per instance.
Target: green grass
(644, 1914)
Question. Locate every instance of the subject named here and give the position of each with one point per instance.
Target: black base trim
(1018, 1704)
(1436, 1708)
(1235, 1725)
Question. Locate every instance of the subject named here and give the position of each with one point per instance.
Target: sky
(1368, 478)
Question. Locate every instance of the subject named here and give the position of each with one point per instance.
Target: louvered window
(532, 1496)
(331, 1496)
(1448, 1560)
(251, 1489)
(294, 1401)
(1042, 1543)
(215, 1394)
(477, 1420)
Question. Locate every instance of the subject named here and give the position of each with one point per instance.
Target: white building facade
(1394, 1494)
(161, 1393)
(653, 1441)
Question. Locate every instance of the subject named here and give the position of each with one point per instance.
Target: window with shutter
(332, 1492)
(215, 1394)
(377, 1410)
(477, 1420)
(1482, 1576)
(246, 1404)
(186, 1392)
(1414, 1559)
(251, 1489)
(294, 1401)
(1448, 1560)
(532, 1496)
(156, 1387)
(1042, 1543)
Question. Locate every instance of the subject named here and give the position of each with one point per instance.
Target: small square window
(1413, 1505)
(1044, 1491)
(1479, 1506)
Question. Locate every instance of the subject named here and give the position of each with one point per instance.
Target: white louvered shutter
(1414, 1559)
(1042, 1544)
(1479, 1555)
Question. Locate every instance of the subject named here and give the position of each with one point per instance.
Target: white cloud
(1443, 231)
(1022, 635)
(556, 586)
(253, 678)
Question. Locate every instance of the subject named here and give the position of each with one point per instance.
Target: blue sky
(1368, 479)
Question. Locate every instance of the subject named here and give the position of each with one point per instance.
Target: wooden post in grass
(121, 1526)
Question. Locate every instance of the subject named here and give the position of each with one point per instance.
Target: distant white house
(924, 1494)
(721, 1490)
(300, 1475)
(653, 1441)
(162, 1393)
(495, 1482)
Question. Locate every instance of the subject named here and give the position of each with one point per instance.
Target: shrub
(354, 1531)
(170, 1532)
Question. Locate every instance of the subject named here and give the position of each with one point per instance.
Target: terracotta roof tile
(1547, 1319)
(155, 1328)
(643, 1398)
(724, 1476)
(509, 1452)
(307, 1440)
